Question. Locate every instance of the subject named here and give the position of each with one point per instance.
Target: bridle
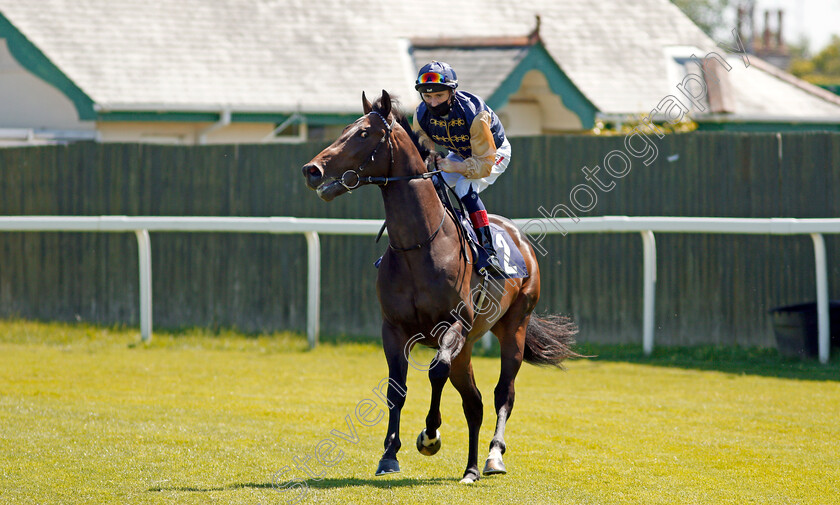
(380, 181)
(383, 181)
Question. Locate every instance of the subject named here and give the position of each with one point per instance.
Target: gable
(33, 60)
(519, 71)
(537, 58)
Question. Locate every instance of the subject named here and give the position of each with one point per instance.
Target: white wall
(27, 102)
(534, 110)
(182, 133)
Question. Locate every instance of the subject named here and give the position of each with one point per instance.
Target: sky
(815, 19)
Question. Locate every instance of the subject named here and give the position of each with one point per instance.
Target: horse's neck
(413, 212)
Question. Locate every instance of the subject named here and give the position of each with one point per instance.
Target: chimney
(765, 43)
(779, 42)
(534, 36)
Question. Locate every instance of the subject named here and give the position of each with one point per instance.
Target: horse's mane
(399, 115)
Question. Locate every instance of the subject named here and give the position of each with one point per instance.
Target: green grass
(88, 415)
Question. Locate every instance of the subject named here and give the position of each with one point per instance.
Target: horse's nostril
(311, 171)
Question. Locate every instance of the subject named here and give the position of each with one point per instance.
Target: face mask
(441, 109)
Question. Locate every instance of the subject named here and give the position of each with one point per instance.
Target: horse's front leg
(393, 342)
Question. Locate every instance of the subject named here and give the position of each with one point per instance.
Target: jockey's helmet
(436, 76)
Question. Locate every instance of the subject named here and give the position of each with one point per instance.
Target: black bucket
(797, 329)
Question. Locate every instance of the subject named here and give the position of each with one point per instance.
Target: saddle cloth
(509, 256)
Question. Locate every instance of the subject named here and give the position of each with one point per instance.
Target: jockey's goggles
(432, 78)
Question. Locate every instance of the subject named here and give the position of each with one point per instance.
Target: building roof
(494, 68)
(480, 69)
(316, 56)
(765, 90)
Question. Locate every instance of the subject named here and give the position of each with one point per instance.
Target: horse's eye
(364, 135)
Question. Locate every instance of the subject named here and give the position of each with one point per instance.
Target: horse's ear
(366, 106)
(386, 103)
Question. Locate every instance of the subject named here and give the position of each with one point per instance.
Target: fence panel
(712, 288)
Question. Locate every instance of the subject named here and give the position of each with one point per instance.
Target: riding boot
(486, 240)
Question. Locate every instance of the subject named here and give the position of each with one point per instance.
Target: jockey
(478, 149)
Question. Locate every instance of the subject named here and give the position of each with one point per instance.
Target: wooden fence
(711, 289)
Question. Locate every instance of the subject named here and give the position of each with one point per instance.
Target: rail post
(649, 291)
(144, 257)
(313, 292)
(823, 321)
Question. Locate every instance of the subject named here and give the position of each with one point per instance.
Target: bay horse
(427, 286)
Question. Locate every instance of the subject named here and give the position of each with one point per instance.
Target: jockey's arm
(483, 147)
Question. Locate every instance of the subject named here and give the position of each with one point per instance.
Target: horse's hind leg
(512, 342)
(461, 377)
(428, 442)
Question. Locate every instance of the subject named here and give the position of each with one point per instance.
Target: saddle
(513, 264)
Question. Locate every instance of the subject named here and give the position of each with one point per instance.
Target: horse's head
(363, 150)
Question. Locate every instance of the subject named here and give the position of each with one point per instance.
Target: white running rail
(536, 229)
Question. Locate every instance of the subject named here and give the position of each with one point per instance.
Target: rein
(425, 242)
(383, 181)
(447, 209)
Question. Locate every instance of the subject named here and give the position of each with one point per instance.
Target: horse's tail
(549, 340)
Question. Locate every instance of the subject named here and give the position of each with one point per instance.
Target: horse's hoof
(494, 466)
(470, 476)
(387, 466)
(428, 446)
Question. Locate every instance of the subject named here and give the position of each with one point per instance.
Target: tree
(827, 61)
(823, 68)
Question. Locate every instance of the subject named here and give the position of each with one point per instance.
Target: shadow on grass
(727, 359)
(734, 360)
(196, 489)
(317, 484)
(380, 482)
